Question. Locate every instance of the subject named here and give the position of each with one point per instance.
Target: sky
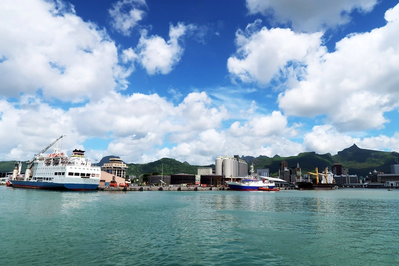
(197, 79)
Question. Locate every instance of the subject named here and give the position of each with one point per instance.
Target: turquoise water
(343, 227)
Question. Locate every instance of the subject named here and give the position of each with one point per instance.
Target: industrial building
(231, 167)
(205, 171)
(289, 174)
(179, 179)
(212, 180)
(389, 180)
(159, 179)
(342, 176)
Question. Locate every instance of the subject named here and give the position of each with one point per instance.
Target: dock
(159, 188)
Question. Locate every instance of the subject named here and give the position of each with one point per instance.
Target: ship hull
(53, 186)
(247, 187)
(243, 188)
(311, 186)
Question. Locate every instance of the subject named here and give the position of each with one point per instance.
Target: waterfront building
(115, 167)
(347, 180)
(212, 180)
(107, 178)
(179, 179)
(337, 169)
(289, 174)
(389, 180)
(204, 171)
(342, 176)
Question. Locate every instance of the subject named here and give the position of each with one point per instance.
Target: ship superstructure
(58, 171)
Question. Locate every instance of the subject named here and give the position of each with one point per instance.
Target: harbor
(58, 171)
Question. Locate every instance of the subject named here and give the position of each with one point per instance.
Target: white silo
(219, 166)
(242, 168)
(235, 167)
(227, 167)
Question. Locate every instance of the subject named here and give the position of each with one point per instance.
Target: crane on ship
(316, 173)
(49, 146)
(29, 164)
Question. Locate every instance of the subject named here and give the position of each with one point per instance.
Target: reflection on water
(343, 227)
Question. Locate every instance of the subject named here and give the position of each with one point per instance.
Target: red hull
(268, 189)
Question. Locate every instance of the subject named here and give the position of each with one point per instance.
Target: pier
(158, 188)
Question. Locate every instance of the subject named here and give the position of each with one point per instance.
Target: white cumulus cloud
(126, 14)
(52, 50)
(263, 53)
(158, 56)
(355, 85)
(309, 15)
(45, 47)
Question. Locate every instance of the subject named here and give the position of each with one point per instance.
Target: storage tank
(219, 166)
(235, 167)
(227, 167)
(242, 168)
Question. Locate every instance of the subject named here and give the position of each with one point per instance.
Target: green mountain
(166, 166)
(8, 166)
(362, 161)
(358, 161)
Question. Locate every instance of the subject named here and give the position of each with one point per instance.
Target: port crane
(29, 164)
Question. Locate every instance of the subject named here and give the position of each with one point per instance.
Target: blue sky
(192, 80)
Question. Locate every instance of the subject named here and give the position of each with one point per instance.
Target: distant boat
(251, 184)
(57, 171)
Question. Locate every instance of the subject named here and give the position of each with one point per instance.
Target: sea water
(341, 227)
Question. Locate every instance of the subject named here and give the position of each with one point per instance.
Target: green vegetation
(9, 166)
(166, 166)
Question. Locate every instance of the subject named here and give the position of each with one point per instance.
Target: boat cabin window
(70, 173)
(76, 174)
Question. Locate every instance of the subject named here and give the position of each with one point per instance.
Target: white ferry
(58, 171)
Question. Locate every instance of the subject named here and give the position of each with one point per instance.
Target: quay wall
(157, 188)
